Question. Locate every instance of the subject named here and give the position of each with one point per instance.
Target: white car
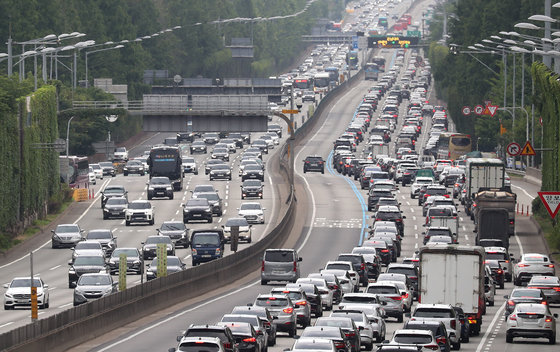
(91, 176)
(139, 211)
(97, 170)
(532, 264)
(531, 320)
(245, 229)
(120, 153)
(252, 211)
(19, 293)
(418, 183)
(344, 265)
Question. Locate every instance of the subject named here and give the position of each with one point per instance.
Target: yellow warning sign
(527, 149)
(288, 111)
(80, 194)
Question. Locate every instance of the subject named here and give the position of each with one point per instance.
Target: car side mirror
(52, 231)
(555, 315)
(506, 296)
(299, 259)
(404, 217)
(70, 262)
(178, 339)
(249, 304)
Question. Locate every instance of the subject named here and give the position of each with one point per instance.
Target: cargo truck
(453, 274)
(483, 174)
(492, 224)
(166, 161)
(496, 199)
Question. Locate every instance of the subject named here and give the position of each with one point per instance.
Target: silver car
(66, 235)
(282, 307)
(91, 248)
(300, 301)
(92, 286)
(532, 264)
(389, 293)
(362, 322)
(531, 320)
(280, 265)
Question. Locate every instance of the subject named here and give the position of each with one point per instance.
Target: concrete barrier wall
(79, 324)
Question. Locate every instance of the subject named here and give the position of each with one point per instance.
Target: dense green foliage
(30, 181)
(198, 49)
(463, 81)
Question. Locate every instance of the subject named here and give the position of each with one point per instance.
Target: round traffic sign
(478, 109)
(466, 110)
(513, 149)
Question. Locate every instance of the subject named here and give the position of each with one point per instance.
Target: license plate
(23, 301)
(206, 256)
(277, 272)
(115, 213)
(197, 215)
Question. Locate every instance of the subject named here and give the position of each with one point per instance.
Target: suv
(189, 165)
(207, 245)
(66, 235)
(314, 163)
(160, 187)
(197, 209)
(149, 247)
(134, 260)
(500, 254)
(139, 211)
(280, 265)
(108, 168)
(223, 333)
(411, 272)
(120, 153)
(214, 200)
(532, 264)
(444, 313)
(92, 286)
(308, 95)
(433, 190)
(112, 191)
(177, 231)
(436, 327)
(359, 264)
(264, 315)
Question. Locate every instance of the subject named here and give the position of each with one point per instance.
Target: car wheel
(171, 196)
(400, 318)
(194, 263)
(509, 338)
(319, 313)
(127, 223)
(210, 220)
(369, 346)
(153, 221)
(502, 286)
(53, 245)
(6, 307)
(457, 346)
(264, 282)
(552, 339)
(491, 303)
(149, 197)
(105, 217)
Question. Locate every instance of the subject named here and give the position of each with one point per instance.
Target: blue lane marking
(393, 59)
(356, 192)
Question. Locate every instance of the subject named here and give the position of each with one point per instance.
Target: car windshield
(158, 239)
(67, 228)
(209, 196)
(413, 339)
(116, 201)
(86, 260)
(357, 317)
(252, 183)
(358, 299)
(201, 239)
(383, 290)
(118, 190)
(88, 245)
(133, 163)
(98, 235)
(339, 266)
(159, 181)
(250, 206)
(271, 302)
(106, 164)
(433, 313)
(172, 226)
(94, 280)
(313, 345)
(171, 261)
(220, 167)
(129, 252)
(139, 205)
(188, 161)
(199, 346)
(25, 282)
(236, 222)
(197, 202)
(535, 258)
(388, 215)
(535, 280)
(496, 255)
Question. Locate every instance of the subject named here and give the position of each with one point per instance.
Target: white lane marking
(411, 209)
(4, 325)
(415, 227)
(224, 213)
(66, 305)
(414, 218)
(177, 212)
(118, 342)
(274, 201)
(466, 237)
(518, 243)
(524, 191)
(187, 257)
(496, 316)
(55, 267)
(416, 236)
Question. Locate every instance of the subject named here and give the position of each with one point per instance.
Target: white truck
(482, 174)
(454, 274)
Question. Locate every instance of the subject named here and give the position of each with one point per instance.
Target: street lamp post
(96, 51)
(68, 136)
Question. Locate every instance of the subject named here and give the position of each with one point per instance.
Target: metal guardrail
(162, 107)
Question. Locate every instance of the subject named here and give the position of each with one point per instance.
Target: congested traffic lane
(51, 264)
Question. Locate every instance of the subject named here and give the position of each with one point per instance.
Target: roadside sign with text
(287, 111)
(34, 307)
(551, 201)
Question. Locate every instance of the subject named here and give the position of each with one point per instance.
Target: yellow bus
(453, 145)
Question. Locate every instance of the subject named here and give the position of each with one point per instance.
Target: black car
(105, 237)
(160, 187)
(408, 175)
(497, 272)
(314, 163)
(214, 200)
(220, 171)
(523, 295)
(85, 264)
(210, 163)
(108, 168)
(113, 191)
(149, 246)
(177, 231)
(375, 194)
(252, 188)
(134, 260)
(174, 264)
(115, 207)
(391, 213)
(252, 172)
(185, 137)
(134, 167)
(237, 138)
(198, 147)
(197, 209)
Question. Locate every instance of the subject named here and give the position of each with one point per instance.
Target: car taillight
(384, 251)
(288, 310)
(500, 271)
(432, 347)
(544, 302)
(441, 340)
(446, 195)
(227, 345)
(550, 265)
(398, 220)
(339, 344)
(510, 303)
(266, 324)
(194, 251)
(396, 298)
(511, 222)
(295, 266)
(557, 289)
(522, 265)
(262, 266)
(405, 295)
(250, 339)
(362, 266)
(350, 334)
(548, 319)
(512, 317)
(218, 251)
(301, 304)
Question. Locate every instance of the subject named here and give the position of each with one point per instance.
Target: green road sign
(413, 33)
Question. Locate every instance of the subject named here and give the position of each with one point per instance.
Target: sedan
(523, 295)
(313, 344)
(177, 231)
(220, 171)
(134, 260)
(18, 293)
(93, 286)
(549, 285)
(66, 235)
(174, 264)
(92, 248)
(333, 333)
(149, 247)
(531, 320)
(252, 211)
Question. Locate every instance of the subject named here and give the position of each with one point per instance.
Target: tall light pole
(68, 136)
(96, 51)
